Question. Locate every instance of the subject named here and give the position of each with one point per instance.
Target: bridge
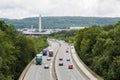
(44, 32)
(28, 33)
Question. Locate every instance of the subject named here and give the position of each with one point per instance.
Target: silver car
(46, 66)
(48, 59)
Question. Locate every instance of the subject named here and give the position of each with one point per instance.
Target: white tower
(40, 23)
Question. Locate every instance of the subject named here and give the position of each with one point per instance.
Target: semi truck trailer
(51, 53)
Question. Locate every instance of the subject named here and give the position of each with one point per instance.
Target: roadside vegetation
(16, 51)
(67, 36)
(99, 48)
(40, 43)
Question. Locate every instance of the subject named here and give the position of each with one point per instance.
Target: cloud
(30, 8)
(109, 8)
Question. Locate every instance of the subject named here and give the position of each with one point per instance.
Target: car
(68, 59)
(70, 66)
(71, 47)
(60, 63)
(66, 51)
(46, 66)
(48, 59)
(60, 59)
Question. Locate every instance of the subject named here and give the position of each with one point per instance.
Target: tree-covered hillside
(61, 22)
(16, 51)
(67, 36)
(99, 48)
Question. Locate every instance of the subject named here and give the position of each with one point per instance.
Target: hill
(61, 22)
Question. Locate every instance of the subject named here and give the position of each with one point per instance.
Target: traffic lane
(47, 74)
(75, 71)
(32, 72)
(37, 72)
(64, 72)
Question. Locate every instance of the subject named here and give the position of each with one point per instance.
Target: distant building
(75, 28)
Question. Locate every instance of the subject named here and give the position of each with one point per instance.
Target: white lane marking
(55, 52)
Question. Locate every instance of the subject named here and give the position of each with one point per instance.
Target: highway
(63, 72)
(37, 72)
(56, 72)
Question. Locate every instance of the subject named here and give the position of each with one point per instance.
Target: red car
(70, 66)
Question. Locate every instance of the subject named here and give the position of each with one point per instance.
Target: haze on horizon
(17, 9)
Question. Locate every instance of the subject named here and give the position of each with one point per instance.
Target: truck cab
(38, 59)
(44, 52)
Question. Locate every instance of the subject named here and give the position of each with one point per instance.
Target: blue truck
(44, 52)
(38, 59)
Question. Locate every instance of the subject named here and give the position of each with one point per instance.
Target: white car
(48, 59)
(46, 66)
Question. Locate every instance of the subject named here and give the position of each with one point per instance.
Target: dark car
(66, 51)
(68, 59)
(60, 59)
(60, 63)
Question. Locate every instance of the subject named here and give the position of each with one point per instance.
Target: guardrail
(78, 68)
(54, 68)
(26, 70)
(83, 67)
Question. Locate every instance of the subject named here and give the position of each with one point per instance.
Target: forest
(67, 36)
(99, 48)
(16, 51)
(61, 22)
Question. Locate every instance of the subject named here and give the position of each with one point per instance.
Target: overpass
(45, 32)
(27, 33)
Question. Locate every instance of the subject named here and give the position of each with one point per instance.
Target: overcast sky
(16, 9)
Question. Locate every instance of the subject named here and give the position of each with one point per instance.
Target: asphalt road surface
(63, 72)
(37, 72)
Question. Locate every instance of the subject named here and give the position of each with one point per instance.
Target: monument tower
(40, 29)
